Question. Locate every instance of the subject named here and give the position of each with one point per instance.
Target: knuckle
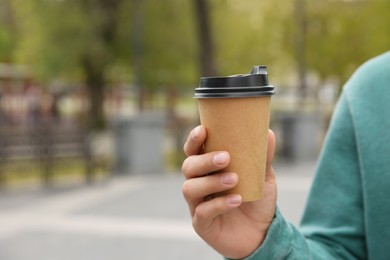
(196, 225)
(199, 215)
(185, 147)
(209, 163)
(219, 205)
(185, 166)
(186, 190)
(206, 163)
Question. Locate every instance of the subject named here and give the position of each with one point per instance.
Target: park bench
(45, 145)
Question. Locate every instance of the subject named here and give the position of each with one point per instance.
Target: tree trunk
(95, 83)
(207, 61)
(95, 61)
(300, 49)
(137, 46)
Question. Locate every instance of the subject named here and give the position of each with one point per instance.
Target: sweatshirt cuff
(276, 244)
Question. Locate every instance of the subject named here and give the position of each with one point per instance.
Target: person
(347, 215)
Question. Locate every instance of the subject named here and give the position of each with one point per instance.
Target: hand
(233, 228)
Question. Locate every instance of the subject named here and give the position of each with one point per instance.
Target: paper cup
(237, 121)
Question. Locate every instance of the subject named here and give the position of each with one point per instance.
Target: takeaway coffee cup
(235, 111)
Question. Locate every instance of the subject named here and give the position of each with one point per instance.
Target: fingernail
(234, 199)
(229, 179)
(220, 158)
(196, 132)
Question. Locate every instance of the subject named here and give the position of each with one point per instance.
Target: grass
(31, 172)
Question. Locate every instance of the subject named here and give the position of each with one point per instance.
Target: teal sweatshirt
(347, 215)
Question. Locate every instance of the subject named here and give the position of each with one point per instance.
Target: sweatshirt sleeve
(333, 223)
(282, 242)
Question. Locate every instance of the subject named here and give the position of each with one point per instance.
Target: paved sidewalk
(128, 217)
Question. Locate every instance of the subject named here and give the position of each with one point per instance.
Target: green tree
(7, 36)
(251, 33)
(330, 38)
(342, 35)
(207, 62)
(71, 39)
(86, 40)
(157, 42)
(168, 46)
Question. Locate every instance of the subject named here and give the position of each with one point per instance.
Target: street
(126, 217)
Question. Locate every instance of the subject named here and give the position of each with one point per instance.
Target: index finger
(195, 141)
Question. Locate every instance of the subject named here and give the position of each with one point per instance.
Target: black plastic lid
(254, 84)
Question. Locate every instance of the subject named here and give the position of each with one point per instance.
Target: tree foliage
(169, 42)
(342, 35)
(252, 32)
(93, 41)
(7, 38)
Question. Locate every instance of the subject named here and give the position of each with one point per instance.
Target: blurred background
(96, 103)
